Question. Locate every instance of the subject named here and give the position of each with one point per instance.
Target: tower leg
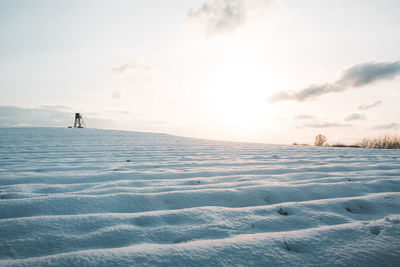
(79, 123)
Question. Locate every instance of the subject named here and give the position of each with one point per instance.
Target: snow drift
(85, 197)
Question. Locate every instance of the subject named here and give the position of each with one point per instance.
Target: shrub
(339, 145)
(297, 144)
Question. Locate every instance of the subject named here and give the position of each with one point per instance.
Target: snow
(87, 197)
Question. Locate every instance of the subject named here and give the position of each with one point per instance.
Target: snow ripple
(79, 197)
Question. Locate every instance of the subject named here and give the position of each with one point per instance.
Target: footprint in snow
(179, 240)
(267, 198)
(283, 212)
(374, 229)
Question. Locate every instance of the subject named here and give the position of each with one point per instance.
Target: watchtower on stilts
(79, 123)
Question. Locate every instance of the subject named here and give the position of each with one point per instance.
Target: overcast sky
(273, 71)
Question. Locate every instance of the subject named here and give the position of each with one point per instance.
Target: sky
(270, 71)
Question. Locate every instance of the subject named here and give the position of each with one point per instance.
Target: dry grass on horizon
(381, 142)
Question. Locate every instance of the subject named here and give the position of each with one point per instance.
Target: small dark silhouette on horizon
(79, 123)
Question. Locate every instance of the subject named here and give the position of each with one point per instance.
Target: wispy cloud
(57, 107)
(116, 95)
(365, 107)
(128, 68)
(12, 116)
(325, 125)
(303, 117)
(355, 117)
(356, 76)
(310, 92)
(392, 125)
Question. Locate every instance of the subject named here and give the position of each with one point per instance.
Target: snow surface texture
(85, 197)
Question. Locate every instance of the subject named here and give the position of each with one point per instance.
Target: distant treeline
(382, 142)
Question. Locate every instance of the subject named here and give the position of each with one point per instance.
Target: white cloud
(303, 117)
(221, 16)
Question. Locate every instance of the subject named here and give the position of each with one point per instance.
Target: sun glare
(236, 93)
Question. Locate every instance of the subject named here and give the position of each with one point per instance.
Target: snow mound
(86, 197)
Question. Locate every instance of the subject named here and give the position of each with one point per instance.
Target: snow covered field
(78, 197)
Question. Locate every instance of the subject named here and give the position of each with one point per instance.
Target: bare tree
(320, 140)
